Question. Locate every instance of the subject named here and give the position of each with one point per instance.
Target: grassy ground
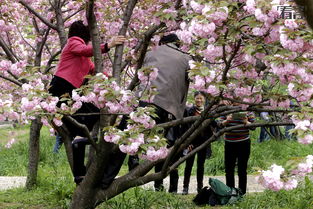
(55, 184)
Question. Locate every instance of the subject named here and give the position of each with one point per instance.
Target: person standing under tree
(237, 147)
(196, 110)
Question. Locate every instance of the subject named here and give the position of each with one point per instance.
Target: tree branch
(11, 56)
(31, 10)
(11, 80)
(71, 15)
(143, 44)
(52, 58)
(84, 128)
(95, 37)
(119, 49)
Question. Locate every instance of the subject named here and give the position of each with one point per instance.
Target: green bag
(224, 194)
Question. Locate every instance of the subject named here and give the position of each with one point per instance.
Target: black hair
(79, 29)
(200, 93)
(171, 38)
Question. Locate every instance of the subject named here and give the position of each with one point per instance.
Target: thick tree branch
(117, 64)
(31, 10)
(229, 61)
(84, 128)
(95, 37)
(60, 22)
(11, 56)
(194, 126)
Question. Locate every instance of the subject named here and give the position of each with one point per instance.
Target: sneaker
(185, 191)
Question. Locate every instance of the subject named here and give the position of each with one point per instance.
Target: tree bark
(33, 152)
(117, 65)
(308, 10)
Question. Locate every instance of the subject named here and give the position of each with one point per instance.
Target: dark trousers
(201, 156)
(117, 159)
(240, 152)
(59, 87)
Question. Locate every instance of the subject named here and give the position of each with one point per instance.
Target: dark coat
(204, 135)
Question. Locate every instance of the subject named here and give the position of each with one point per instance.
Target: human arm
(79, 48)
(224, 120)
(250, 118)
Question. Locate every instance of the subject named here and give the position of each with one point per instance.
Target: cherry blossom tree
(242, 52)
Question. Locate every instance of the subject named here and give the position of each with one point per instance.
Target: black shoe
(78, 179)
(185, 191)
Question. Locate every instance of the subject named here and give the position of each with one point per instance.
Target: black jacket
(205, 134)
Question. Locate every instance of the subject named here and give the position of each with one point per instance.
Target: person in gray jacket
(172, 81)
(172, 87)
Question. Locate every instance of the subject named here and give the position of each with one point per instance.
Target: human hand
(246, 121)
(228, 118)
(225, 102)
(116, 40)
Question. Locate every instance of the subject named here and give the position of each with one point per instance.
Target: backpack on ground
(218, 194)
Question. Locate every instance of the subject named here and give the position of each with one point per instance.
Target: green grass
(55, 183)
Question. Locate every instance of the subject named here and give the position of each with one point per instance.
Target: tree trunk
(33, 152)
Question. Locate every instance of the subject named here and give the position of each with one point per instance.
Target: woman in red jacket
(74, 65)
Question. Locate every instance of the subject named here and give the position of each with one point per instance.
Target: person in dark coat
(195, 110)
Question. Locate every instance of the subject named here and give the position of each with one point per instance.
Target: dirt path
(7, 182)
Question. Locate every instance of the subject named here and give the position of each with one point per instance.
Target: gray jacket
(172, 80)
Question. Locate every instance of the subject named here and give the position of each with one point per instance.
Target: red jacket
(75, 61)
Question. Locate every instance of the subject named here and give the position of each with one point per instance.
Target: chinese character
(290, 12)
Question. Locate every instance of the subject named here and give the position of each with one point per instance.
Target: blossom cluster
(271, 179)
(277, 178)
(138, 137)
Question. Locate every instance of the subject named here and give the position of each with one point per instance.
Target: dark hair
(200, 93)
(79, 29)
(171, 38)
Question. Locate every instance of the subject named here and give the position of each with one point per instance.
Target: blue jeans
(58, 144)
(264, 135)
(287, 134)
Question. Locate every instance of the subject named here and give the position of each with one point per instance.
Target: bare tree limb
(95, 37)
(71, 15)
(228, 62)
(117, 64)
(31, 10)
(52, 58)
(11, 80)
(11, 56)
(60, 22)
(85, 130)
